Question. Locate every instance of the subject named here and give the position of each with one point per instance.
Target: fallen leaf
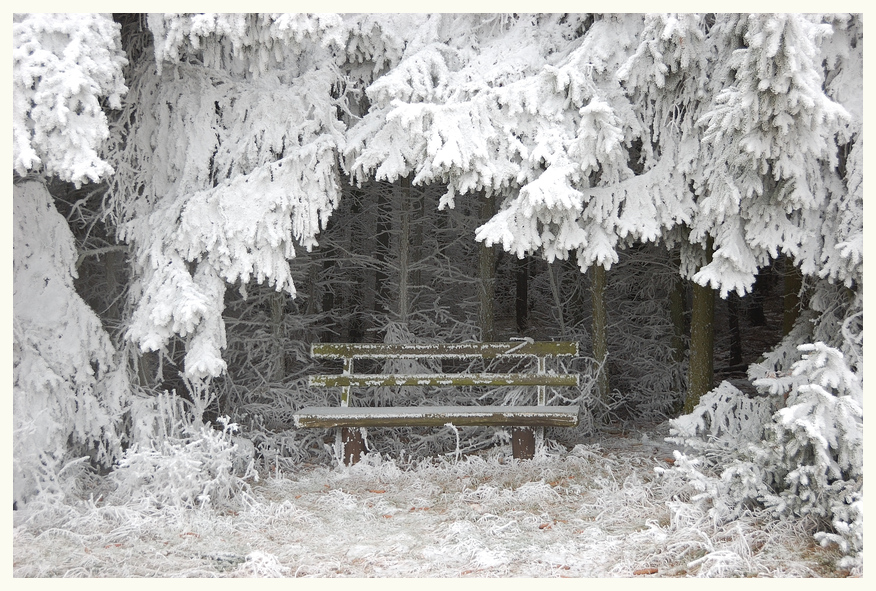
(377, 491)
(645, 571)
(669, 461)
(544, 526)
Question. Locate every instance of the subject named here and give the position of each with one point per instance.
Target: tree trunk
(487, 272)
(702, 342)
(114, 263)
(735, 331)
(599, 334)
(677, 300)
(555, 274)
(756, 314)
(521, 300)
(404, 205)
(382, 234)
(793, 283)
(278, 315)
(357, 298)
(418, 217)
(578, 311)
(328, 298)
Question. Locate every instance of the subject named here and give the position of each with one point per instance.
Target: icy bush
(805, 459)
(206, 467)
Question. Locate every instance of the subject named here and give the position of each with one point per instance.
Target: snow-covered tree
(526, 108)
(834, 249)
(768, 134)
(742, 107)
(227, 159)
(68, 395)
(786, 177)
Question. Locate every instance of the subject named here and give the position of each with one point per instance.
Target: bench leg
(354, 444)
(523, 443)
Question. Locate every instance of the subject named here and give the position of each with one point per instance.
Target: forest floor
(597, 510)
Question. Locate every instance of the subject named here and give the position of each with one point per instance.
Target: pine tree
(69, 394)
(767, 134)
(63, 66)
(227, 158)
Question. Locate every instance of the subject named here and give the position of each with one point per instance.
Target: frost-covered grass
(598, 510)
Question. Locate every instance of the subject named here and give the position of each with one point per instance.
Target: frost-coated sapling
(205, 467)
(805, 460)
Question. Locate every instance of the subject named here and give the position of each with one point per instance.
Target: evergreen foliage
(68, 393)
(63, 67)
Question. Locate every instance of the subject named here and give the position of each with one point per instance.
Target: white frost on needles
(598, 510)
(63, 65)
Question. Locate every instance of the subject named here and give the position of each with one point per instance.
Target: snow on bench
(522, 418)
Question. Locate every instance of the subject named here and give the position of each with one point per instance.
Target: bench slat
(445, 379)
(446, 350)
(436, 416)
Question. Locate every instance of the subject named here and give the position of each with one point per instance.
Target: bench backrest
(352, 351)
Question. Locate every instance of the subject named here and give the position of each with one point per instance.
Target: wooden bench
(523, 418)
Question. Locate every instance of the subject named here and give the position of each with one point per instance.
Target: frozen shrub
(206, 467)
(806, 459)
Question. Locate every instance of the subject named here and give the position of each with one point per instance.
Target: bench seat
(432, 416)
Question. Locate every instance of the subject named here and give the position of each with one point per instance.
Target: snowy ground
(599, 510)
